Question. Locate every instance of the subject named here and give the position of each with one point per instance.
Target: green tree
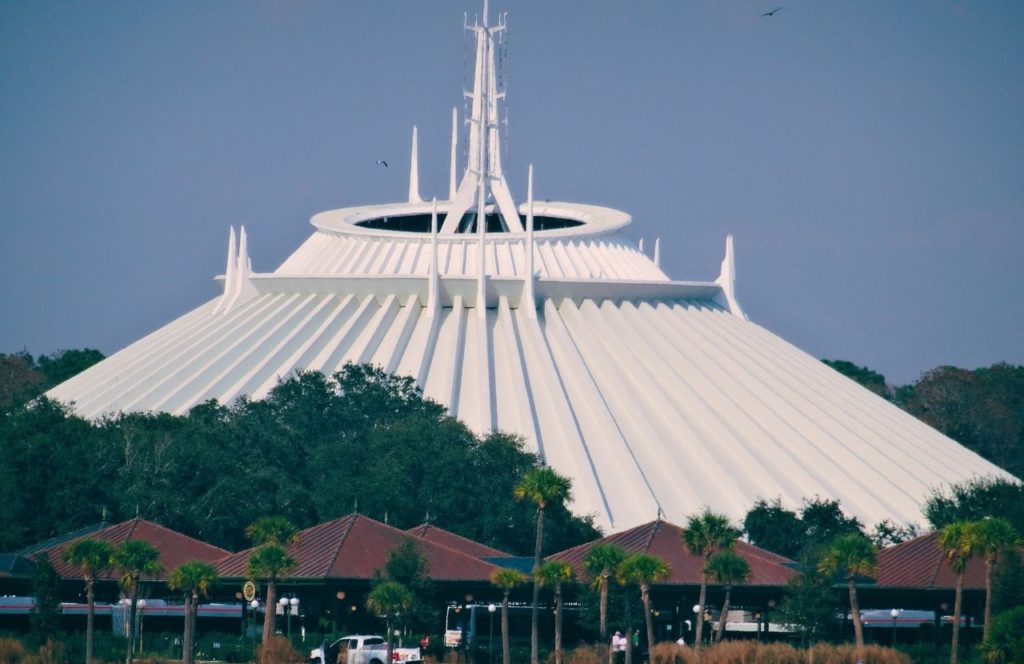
(644, 570)
(389, 600)
(981, 409)
(554, 574)
(64, 364)
(135, 559)
(272, 530)
(270, 560)
(506, 580)
(727, 568)
(995, 537)
(406, 564)
(977, 499)
(543, 487)
(270, 563)
(92, 557)
(872, 380)
(823, 521)
(1005, 641)
(851, 555)
(705, 534)
(772, 527)
(601, 562)
(959, 542)
(45, 615)
(194, 578)
(809, 605)
(19, 380)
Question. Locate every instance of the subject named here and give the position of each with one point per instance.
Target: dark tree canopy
(316, 448)
(772, 527)
(981, 409)
(23, 378)
(870, 379)
(976, 500)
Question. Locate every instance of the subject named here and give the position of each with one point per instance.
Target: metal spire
(528, 300)
(414, 170)
(484, 170)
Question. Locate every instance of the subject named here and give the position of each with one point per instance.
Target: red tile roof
(355, 546)
(665, 540)
(920, 563)
(174, 547)
(449, 539)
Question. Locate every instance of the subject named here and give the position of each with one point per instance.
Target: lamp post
(294, 602)
(696, 636)
(142, 612)
(254, 604)
(491, 608)
(894, 613)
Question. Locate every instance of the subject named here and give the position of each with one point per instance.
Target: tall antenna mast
(483, 168)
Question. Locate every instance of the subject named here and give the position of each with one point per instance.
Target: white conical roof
(656, 396)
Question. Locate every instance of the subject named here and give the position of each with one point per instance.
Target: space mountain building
(655, 396)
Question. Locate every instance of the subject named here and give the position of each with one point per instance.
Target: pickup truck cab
(362, 649)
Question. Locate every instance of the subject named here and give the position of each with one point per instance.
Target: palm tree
(270, 560)
(553, 574)
(272, 530)
(705, 534)
(195, 578)
(92, 558)
(644, 569)
(543, 487)
(135, 559)
(601, 561)
(388, 600)
(271, 563)
(995, 536)
(959, 542)
(851, 555)
(727, 568)
(506, 579)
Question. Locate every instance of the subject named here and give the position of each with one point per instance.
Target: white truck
(362, 649)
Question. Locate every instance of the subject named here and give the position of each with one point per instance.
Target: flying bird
(384, 163)
(772, 12)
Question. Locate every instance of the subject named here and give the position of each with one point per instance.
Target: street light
(142, 611)
(696, 636)
(294, 602)
(894, 613)
(491, 608)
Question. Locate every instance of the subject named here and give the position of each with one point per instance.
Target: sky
(867, 156)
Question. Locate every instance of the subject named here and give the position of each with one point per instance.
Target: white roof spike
(529, 301)
(727, 280)
(657, 252)
(229, 272)
(640, 246)
(414, 171)
(434, 285)
(455, 143)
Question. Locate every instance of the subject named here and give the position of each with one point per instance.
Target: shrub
(748, 652)
(11, 651)
(278, 650)
(587, 655)
(1005, 644)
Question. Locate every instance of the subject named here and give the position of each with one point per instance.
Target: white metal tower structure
(656, 396)
(483, 172)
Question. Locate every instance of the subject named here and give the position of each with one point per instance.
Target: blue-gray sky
(868, 156)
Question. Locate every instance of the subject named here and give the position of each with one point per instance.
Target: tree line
(316, 448)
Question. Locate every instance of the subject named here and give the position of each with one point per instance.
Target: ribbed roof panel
(646, 404)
